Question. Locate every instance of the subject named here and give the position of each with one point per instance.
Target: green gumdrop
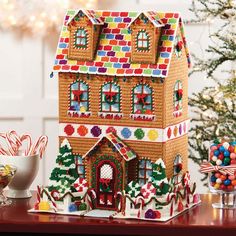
(217, 141)
(83, 207)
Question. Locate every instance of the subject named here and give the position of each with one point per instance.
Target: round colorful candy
(230, 188)
(218, 181)
(221, 149)
(231, 177)
(231, 149)
(222, 187)
(227, 182)
(226, 161)
(226, 145)
(217, 186)
(218, 162)
(232, 155)
(223, 177)
(216, 153)
(214, 158)
(226, 153)
(213, 178)
(233, 162)
(233, 182)
(213, 148)
(217, 175)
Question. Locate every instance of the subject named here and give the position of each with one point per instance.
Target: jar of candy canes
(221, 168)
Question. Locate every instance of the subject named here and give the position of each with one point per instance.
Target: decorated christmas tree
(214, 107)
(65, 172)
(159, 179)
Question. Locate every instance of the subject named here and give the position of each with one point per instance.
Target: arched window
(142, 99)
(79, 96)
(178, 98)
(110, 97)
(142, 41)
(81, 38)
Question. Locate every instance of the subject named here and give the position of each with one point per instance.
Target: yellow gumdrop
(82, 109)
(44, 206)
(216, 186)
(7, 169)
(152, 134)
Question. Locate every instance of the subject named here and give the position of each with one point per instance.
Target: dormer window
(143, 41)
(81, 38)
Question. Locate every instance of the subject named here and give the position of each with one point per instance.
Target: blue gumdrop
(72, 207)
(213, 179)
(226, 153)
(221, 149)
(216, 153)
(227, 182)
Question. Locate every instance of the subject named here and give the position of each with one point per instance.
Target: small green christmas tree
(65, 173)
(159, 179)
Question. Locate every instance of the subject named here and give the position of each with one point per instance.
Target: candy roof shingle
(127, 153)
(114, 47)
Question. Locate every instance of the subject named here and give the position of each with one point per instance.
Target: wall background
(28, 97)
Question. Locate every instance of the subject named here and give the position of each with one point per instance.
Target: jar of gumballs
(221, 169)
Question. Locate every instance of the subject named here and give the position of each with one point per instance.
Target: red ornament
(69, 130)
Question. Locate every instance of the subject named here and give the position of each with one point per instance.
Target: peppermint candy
(148, 190)
(81, 185)
(133, 189)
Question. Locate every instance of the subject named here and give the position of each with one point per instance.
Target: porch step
(100, 213)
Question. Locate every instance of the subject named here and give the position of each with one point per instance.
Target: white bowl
(27, 169)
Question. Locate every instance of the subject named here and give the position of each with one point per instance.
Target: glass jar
(222, 172)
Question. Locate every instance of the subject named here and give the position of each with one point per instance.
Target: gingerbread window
(80, 167)
(178, 99)
(79, 99)
(142, 41)
(145, 171)
(142, 99)
(110, 98)
(81, 38)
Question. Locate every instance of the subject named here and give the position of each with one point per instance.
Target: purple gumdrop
(96, 131)
(150, 214)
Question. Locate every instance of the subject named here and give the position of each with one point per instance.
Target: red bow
(141, 98)
(208, 167)
(105, 181)
(77, 95)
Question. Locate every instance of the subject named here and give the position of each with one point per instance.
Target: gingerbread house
(123, 96)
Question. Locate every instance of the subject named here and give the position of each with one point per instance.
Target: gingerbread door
(106, 184)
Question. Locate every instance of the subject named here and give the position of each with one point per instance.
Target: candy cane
(141, 199)
(119, 194)
(13, 142)
(89, 198)
(41, 144)
(28, 138)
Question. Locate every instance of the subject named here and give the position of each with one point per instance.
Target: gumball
(211, 154)
(226, 161)
(227, 182)
(218, 162)
(226, 153)
(213, 179)
(232, 155)
(231, 149)
(233, 182)
(223, 177)
(222, 186)
(218, 181)
(213, 148)
(221, 149)
(226, 145)
(230, 188)
(214, 158)
(217, 175)
(231, 177)
(217, 186)
(221, 156)
(216, 153)
(233, 162)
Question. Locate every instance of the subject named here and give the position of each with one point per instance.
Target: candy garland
(15, 143)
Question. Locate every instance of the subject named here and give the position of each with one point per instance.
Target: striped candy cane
(141, 200)
(27, 137)
(41, 145)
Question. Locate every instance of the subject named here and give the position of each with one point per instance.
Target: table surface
(200, 220)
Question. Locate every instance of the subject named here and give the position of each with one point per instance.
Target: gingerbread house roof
(114, 46)
(91, 14)
(127, 153)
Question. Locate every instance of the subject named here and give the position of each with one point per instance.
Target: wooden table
(200, 220)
